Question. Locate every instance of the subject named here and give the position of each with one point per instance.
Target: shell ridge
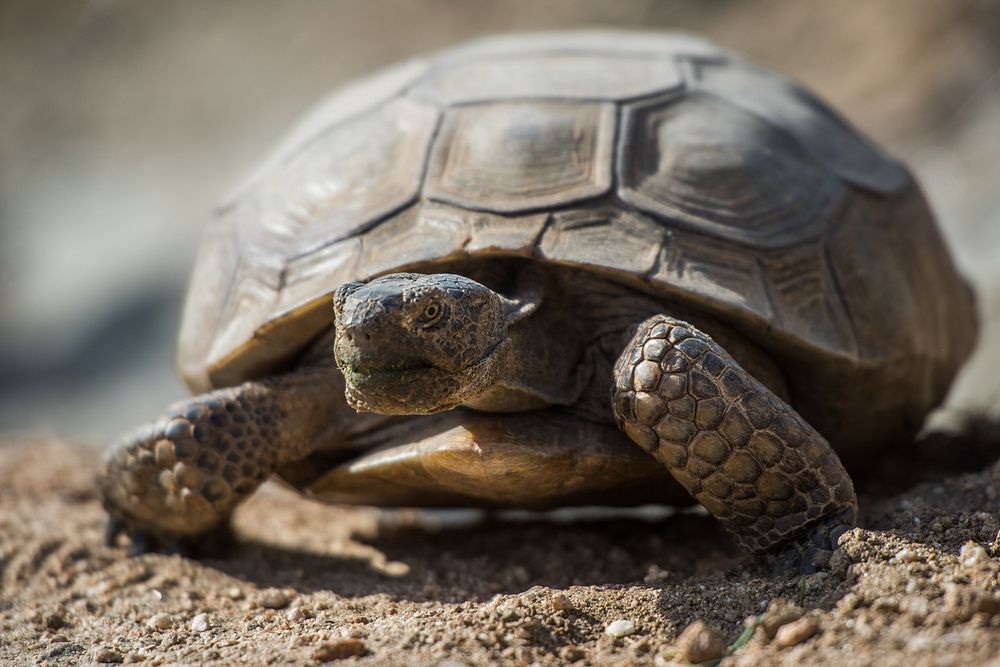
(838, 290)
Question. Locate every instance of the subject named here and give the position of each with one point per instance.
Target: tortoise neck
(564, 352)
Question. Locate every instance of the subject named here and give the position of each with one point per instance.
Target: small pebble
(55, 620)
(972, 554)
(960, 602)
(275, 599)
(561, 602)
(655, 574)
(199, 623)
(840, 562)
(699, 643)
(620, 628)
(904, 555)
(107, 655)
(570, 654)
(796, 632)
(779, 612)
(159, 621)
(297, 614)
(916, 606)
(339, 649)
(235, 593)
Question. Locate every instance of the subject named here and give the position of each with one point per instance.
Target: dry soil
(917, 584)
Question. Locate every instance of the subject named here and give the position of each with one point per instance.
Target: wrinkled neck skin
(563, 353)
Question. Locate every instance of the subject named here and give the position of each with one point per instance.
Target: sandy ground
(917, 584)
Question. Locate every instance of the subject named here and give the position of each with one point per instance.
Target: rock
(960, 602)
(840, 562)
(159, 622)
(298, 614)
(339, 649)
(561, 602)
(796, 632)
(274, 598)
(55, 620)
(570, 654)
(620, 628)
(904, 555)
(971, 554)
(106, 655)
(779, 612)
(199, 623)
(916, 606)
(699, 643)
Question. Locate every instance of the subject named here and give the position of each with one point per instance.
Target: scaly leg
(741, 451)
(179, 479)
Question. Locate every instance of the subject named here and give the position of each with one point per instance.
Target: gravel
(307, 583)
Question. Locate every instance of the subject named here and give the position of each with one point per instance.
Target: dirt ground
(917, 584)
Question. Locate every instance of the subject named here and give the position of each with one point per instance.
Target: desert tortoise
(516, 247)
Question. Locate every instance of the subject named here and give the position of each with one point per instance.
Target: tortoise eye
(431, 314)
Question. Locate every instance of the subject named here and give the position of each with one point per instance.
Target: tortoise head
(411, 343)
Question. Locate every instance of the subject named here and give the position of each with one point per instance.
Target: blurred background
(122, 122)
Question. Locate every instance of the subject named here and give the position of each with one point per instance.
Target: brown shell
(654, 158)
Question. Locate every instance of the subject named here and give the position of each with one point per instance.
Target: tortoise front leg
(180, 478)
(741, 451)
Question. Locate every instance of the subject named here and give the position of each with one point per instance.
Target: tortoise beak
(400, 391)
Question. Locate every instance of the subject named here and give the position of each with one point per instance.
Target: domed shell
(657, 159)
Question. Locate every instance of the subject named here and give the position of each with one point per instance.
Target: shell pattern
(658, 159)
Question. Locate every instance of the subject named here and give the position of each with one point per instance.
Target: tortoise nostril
(368, 338)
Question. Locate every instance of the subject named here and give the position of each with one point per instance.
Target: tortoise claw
(216, 543)
(113, 527)
(813, 550)
(141, 543)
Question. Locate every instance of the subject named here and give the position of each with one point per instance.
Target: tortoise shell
(658, 160)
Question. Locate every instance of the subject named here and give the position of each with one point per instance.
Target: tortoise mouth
(400, 389)
(391, 378)
(401, 369)
(411, 387)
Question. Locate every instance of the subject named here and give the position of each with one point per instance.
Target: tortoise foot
(171, 483)
(813, 550)
(176, 480)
